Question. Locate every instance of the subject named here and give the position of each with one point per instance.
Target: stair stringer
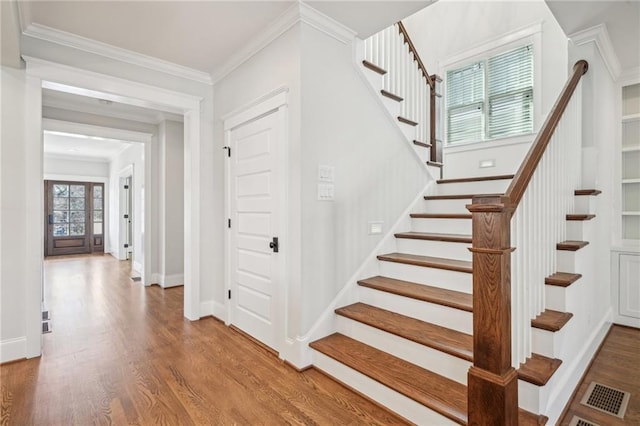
(326, 323)
(374, 82)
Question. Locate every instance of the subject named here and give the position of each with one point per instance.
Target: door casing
(276, 103)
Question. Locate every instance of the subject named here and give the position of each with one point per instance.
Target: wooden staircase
(407, 342)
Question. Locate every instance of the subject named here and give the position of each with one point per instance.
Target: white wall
(275, 66)
(73, 167)
(450, 28)
(133, 155)
(171, 204)
(334, 120)
(377, 174)
(12, 207)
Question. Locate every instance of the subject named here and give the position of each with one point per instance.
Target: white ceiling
(202, 35)
(622, 18)
(60, 145)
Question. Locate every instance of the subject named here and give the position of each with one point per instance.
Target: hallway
(120, 353)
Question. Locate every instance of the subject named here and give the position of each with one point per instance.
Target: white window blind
(491, 98)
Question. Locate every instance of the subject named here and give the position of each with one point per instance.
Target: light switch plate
(326, 192)
(375, 228)
(326, 173)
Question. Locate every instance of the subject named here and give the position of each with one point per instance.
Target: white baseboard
(207, 308)
(564, 389)
(13, 349)
(220, 311)
(172, 280)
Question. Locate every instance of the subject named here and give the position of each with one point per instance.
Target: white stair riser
(548, 343)
(436, 172)
(442, 226)
(392, 106)
(452, 280)
(394, 401)
(572, 261)
(408, 130)
(444, 316)
(580, 230)
(536, 398)
(431, 359)
(445, 206)
(558, 298)
(482, 187)
(585, 204)
(444, 249)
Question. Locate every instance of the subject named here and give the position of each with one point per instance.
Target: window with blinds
(492, 98)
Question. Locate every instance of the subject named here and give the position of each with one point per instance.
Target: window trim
(530, 34)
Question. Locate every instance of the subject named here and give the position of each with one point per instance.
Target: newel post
(492, 381)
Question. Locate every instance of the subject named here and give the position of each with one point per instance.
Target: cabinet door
(630, 285)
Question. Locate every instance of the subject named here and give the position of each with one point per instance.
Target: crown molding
(327, 25)
(64, 38)
(600, 36)
(629, 76)
(299, 12)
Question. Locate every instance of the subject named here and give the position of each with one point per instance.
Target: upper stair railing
(407, 78)
(538, 199)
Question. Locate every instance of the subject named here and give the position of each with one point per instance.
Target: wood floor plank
(615, 365)
(134, 359)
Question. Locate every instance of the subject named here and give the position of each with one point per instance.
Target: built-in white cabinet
(630, 191)
(625, 265)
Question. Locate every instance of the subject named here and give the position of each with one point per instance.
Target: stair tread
(551, 320)
(562, 279)
(476, 179)
(423, 144)
(432, 390)
(538, 369)
(441, 215)
(434, 163)
(426, 293)
(458, 196)
(434, 336)
(428, 261)
(587, 192)
(580, 216)
(452, 238)
(407, 121)
(571, 245)
(374, 67)
(390, 95)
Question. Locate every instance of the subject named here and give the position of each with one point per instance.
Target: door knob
(274, 245)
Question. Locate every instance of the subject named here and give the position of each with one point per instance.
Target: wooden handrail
(492, 381)
(431, 82)
(525, 172)
(412, 49)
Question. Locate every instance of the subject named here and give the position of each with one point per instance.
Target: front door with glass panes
(74, 219)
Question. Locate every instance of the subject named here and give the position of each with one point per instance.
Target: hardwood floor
(616, 365)
(120, 353)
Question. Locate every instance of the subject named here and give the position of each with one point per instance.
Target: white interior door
(253, 191)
